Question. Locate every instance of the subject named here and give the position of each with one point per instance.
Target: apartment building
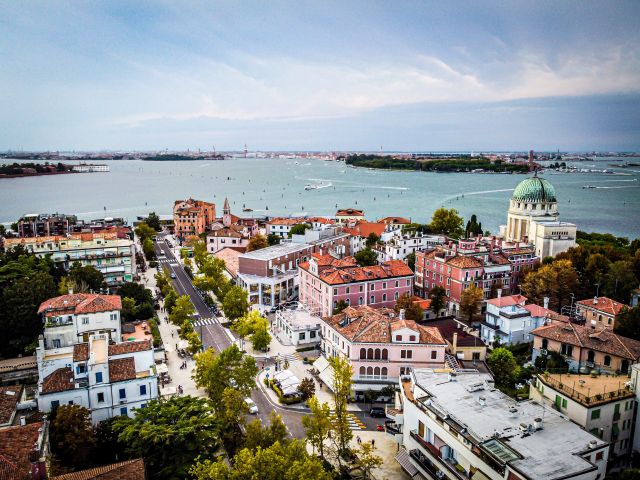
(296, 325)
(360, 231)
(603, 405)
(71, 319)
(45, 225)
(281, 226)
(328, 240)
(600, 311)
(326, 280)
(270, 275)
(458, 427)
(586, 348)
(401, 245)
(108, 252)
(232, 237)
(192, 217)
(380, 345)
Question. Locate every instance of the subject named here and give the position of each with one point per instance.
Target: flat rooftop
(587, 389)
(275, 251)
(300, 318)
(550, 452)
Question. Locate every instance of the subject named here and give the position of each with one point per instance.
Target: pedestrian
(358, 439)
(373, 443)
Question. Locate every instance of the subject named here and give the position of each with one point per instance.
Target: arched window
(370, 354)
(377, 357)
(384, 372)
(607, 360)
(412, 338)
(385, 354)
(591, 355)
(363, 353)
(362, 370)
(369, 370)
(376, 371)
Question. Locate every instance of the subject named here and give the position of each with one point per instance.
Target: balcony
(452, 468)
(65, 323)
(424, 463)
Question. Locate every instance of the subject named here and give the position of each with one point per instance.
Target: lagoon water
(276, 187)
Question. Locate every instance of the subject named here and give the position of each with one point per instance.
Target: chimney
(500, 293)
(595, 300)
(545, 302)
(23, 420)
(455, 341)
(401, 314)
(70, 291)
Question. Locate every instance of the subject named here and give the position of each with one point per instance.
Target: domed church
(533, 218)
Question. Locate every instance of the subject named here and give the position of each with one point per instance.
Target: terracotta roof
(81, 352)
(370, 325)
(326, 221)
(230, 257)
(423, 303)
(349, 212)
(286, 221)
(395, 220)
(599, 340)
(58, 381)
(121, 369)
(16, 445)
(338, 271)
(364, 229)
(128, 470)
(226, 232)
(508, 301)
(129, 347)
(462, 261)
(447, 327)
(9, 397)
(603, 304)
(538, 311)
(79, 303)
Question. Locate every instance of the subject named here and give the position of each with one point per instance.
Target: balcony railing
(449, 464)
(65, 323)
(581, 397)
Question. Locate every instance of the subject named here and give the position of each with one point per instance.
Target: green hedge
(155, 331)
(305, 349)
(284, 400)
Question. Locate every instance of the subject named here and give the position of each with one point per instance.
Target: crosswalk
(354, 422)
(291, 357)
(204, 321)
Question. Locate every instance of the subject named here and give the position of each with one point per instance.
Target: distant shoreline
(37, 174)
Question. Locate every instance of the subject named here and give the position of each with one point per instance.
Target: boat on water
(316, 186)
(247, 209)
(589, 186)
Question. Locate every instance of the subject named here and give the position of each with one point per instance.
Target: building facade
(325, 281)
(349, 215)
(296, 325)
(45, 225)
(192, 217)
(600, 311)
(232, 237)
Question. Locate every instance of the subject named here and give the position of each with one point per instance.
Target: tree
(366, 460)
(619, 281)
(340, 306)
(261, 339)
(108, 448)
(71, 436)
(298, 229)
(504, 367)
(182, 310)
(170, 300)
(137, 292)
(170, 434)
(144, 232)
(257, 436)
(372, 239)
(257, 242)
(307, 388)
(473, 228)
(195, 344)
(228, 369)
(628, 323)
(200, 254)
(88, 275)
(412, 311)
(553, 362)
(411, 261)
(438, 296)
(447, 222)
(235, 303)
(342, 374)
(366, 257)
(279, 461)
(153, 221)
(273, 239)
(556, 281)
(317, 424)
(148, 249)
(128, 309)
(470, 301)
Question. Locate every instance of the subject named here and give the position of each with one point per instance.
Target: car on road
(253, 408)
(377, 412)
(173, 275)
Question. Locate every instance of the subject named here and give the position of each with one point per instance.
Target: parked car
(377, 412)
(173, 275)
(253, 408)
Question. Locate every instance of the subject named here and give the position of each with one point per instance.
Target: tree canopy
(447, 222)
(557, 280)
(153, 221)
(71, 437)
(298, 229)
(257, 242)
(412, 311)
(366, 257)
(504, 367)
(628, 323)
(235, 303)
(470, 301)
(438, 296)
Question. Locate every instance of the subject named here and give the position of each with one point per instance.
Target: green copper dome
(535, 190)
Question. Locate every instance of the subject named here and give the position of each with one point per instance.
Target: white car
(253, 408)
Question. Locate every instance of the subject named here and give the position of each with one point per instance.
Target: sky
(320, 75)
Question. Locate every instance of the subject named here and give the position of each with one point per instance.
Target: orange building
(192, 217)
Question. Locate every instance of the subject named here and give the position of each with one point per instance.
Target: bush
(155, 331)
(188, 271)
(305, 349)
(153, 264)
(284, 400)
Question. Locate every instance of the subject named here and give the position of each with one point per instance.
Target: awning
(283, 375)
(183, 345)
(325, 371)
(162, 368)
(404, 460)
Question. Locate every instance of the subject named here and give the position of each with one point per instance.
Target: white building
(296, 325)
(400, 245)
(533, 217)
(88, 168)
(71, 319)
(232, 237)
(458, 426)
(108, 380)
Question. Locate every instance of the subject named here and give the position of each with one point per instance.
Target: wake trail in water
(481, 192)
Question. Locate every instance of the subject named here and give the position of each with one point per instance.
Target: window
(113, 316)
(123, 411)
(566, 349)
(360, 301)
(143, 389)
(412, 338)
(81, 368)
(335, 291)
(85, 320)
(55, 404)
(385, 354)
(122, 393)
(301, 336)
(312, 334)
(406, 353)
(398, 338)
(545, 343)
(372, 299)
(362, 371)
(363, 353)
(434, 354)
(384, 297)
(397, 283)
(599, 455)
(347, 290)
(98, 377)
(384, 285)
(396, 296)
(595, 414)
(100, 397)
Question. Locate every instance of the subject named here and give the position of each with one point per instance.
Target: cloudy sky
(324, 75)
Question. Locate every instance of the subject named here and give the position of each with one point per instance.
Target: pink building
(325, 281)
(380, 345)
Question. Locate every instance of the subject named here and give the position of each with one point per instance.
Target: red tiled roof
(286, 221)
(423, 303)
(79, 303)
(599, 340)
(9, 397)
(326, 221)
(349, 212)
(81, 352)
(338, 271)
(462, 261)
(370, 325)
(16, 445)
(121, 369)
(364, 229)
(128, 470)
(447, 327)
(603, 304)
(508, 301)
(395, 220)
(226, 232)
(58, 381)
(129, 347)
(538, 311)
(230, 257)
